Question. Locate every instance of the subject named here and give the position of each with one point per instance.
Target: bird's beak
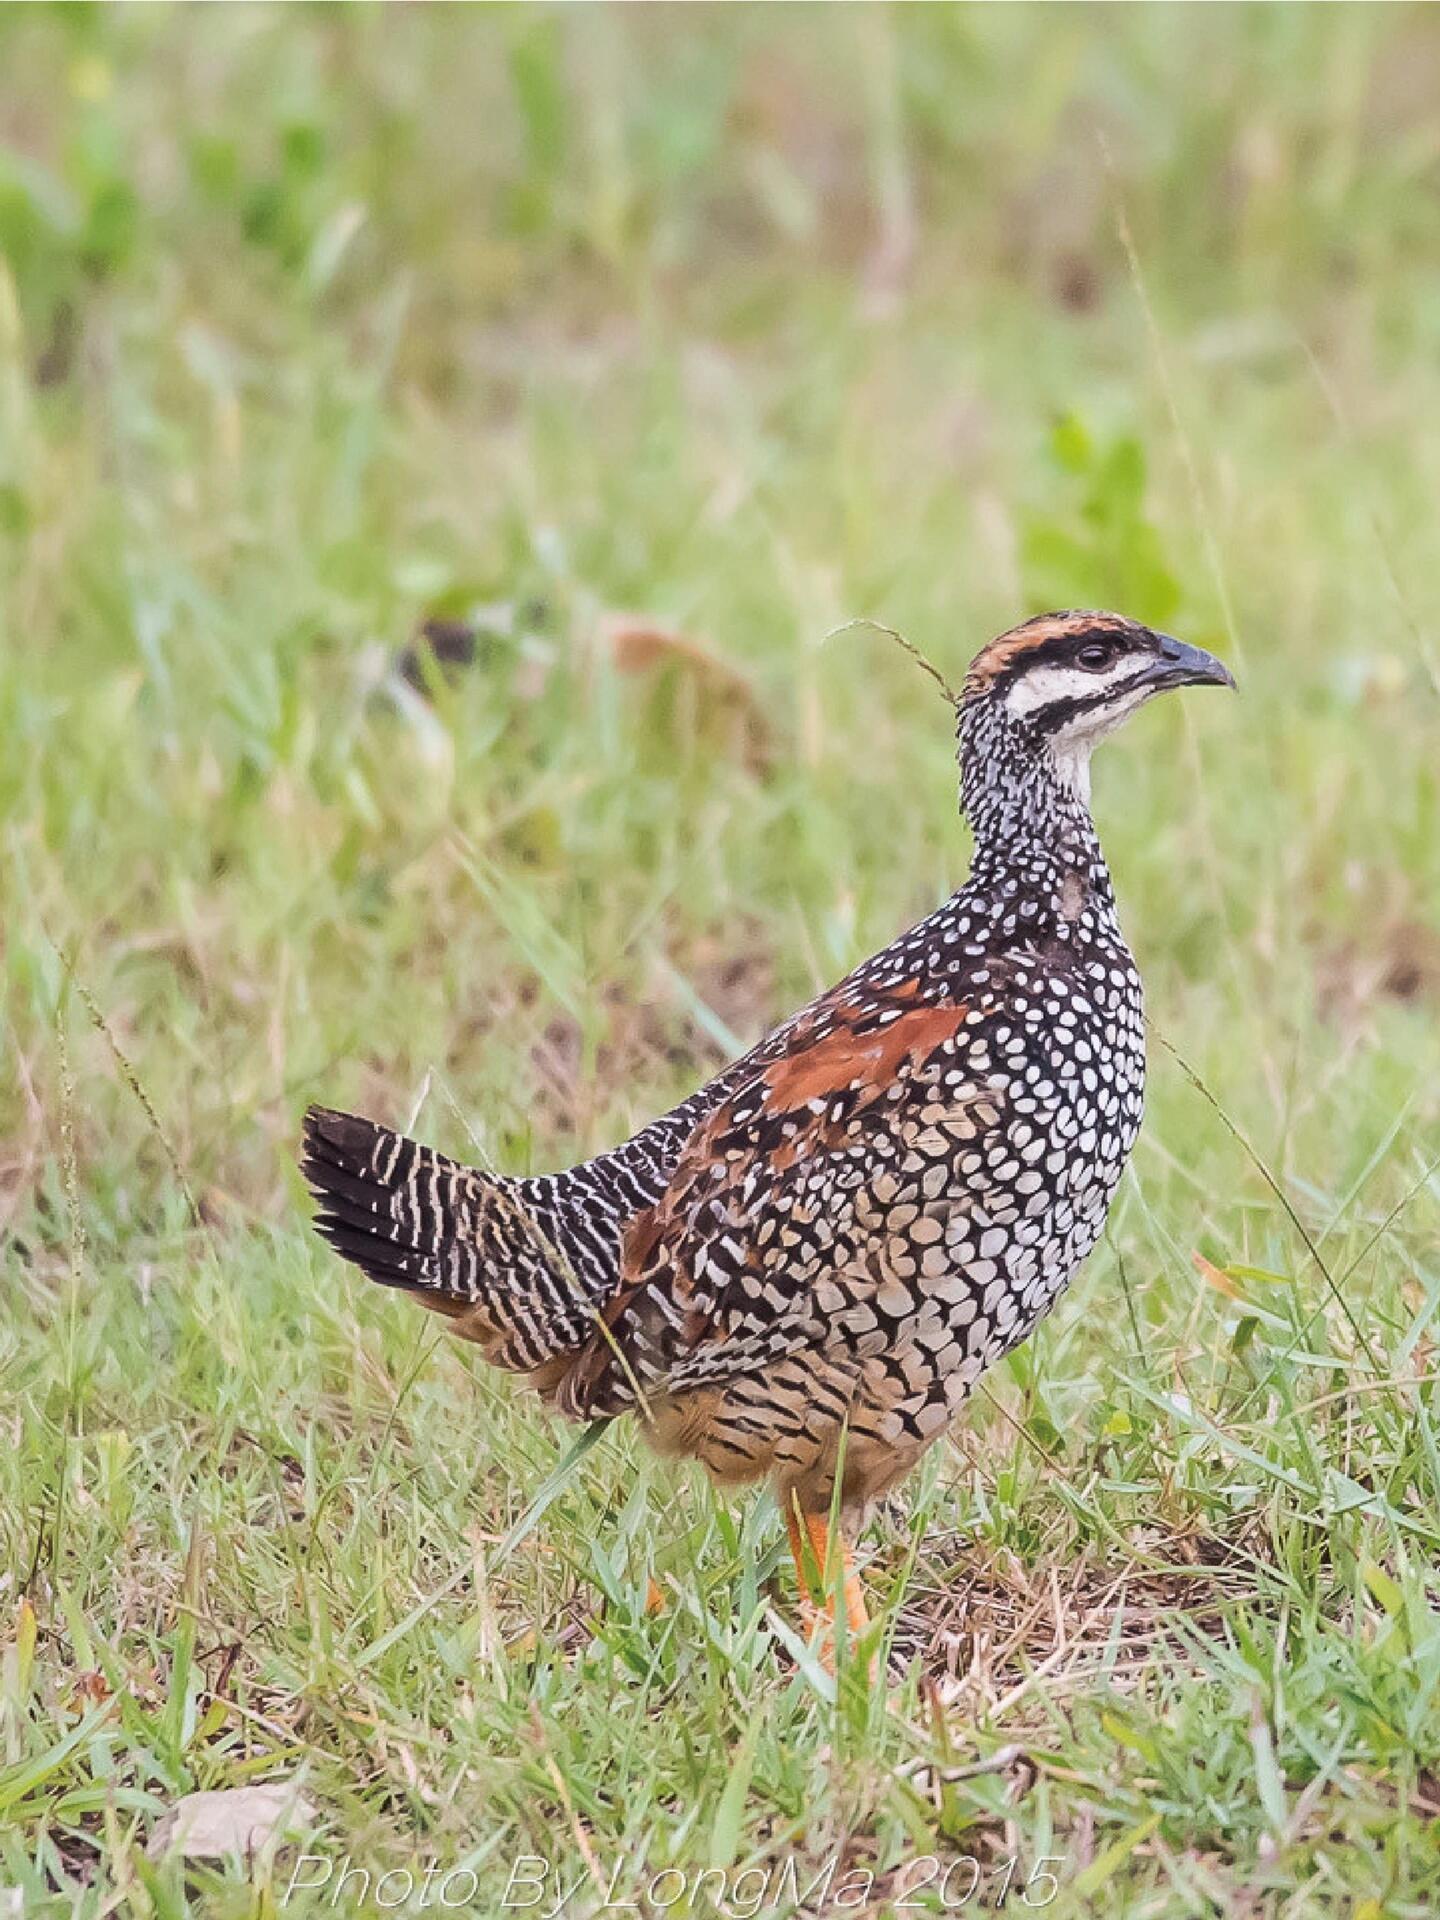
(1179, 665)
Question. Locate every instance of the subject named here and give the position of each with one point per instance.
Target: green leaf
(1070, 443)
(730, 1813)
(1103, 1868)
(1128, 1736)
(550, 1492)
(1245, 1332)
(1269, 1786)
(1383, 1588)
(17, 1781)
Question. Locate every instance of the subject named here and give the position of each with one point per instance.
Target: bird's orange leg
(812, 1531)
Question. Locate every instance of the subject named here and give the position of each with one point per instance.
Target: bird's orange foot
(820, 1607)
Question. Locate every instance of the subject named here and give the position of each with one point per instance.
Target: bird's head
(1068, 679)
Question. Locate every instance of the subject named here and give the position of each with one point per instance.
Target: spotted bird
(801, 1271)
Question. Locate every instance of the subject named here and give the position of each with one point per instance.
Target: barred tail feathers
(463, 1242)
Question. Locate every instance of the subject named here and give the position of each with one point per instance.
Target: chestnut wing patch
(850, 1060)
(797, 1106)
(691, 1264)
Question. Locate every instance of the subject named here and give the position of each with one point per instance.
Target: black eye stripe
(1061, 650)
(1059, 713)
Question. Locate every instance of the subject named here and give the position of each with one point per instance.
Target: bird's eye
(1096, 654)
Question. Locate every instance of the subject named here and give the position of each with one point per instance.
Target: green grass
(315, 324)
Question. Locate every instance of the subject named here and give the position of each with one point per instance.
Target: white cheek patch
(1043, 686)
(1099, 721)
(1108, 698)
(1116, 696)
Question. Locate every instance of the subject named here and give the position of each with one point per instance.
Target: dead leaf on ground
(1217, 1277)
(90, 1688)
(635, 644)
(638, 645)
(235, 1820)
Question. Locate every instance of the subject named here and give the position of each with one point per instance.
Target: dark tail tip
(340, 1134)
(350, 1177)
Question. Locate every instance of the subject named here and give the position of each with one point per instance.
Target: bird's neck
(1029, 811)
